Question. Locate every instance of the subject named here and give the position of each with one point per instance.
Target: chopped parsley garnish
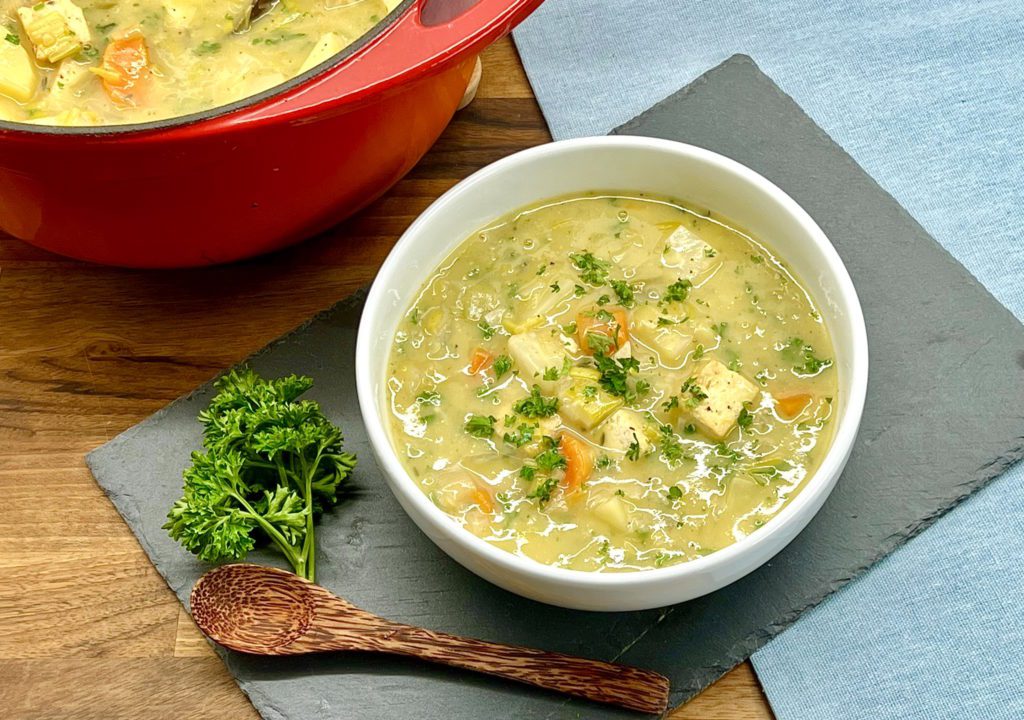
(592, 270)
(570, 328)
(599, 342)
(801, 355)
(624, 292)
(698, 352)
(555, 287)
(670, 446)
(709, 252)
(522, 436)
(671, 403)
(579, 290)
(542, 491)
(723, 450)
(689, 428)
(633, 453)
(536, 405)
(615, 374)
(528, 472)
(502, 364)
(603, 462)
(12, 38)
(674, 493)
(553, 373)
(542, 269)
(720, 328)
(745, 418)
(550, 460)
(487, 329)
(429, 397)
(696, 393)
(481, 426)
(604, 300)
(207, 47)
(677, 291)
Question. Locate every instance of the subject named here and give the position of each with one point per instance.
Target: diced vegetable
(482, 498)
(579, 462)
(662, 332)
(180, 13)
(17, 74)
(791, 406)
(613, 512)
(328, 45)
(480, 360)
(687, 253)
(623, 429)
(125, 69)
(585, 404)
(592, 326)
(720, 394)
(535, 300)
(534, 353)
(57, 28)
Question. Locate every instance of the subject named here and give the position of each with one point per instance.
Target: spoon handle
(592, 679)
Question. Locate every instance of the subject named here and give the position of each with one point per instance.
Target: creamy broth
(102, 62)
(610, 382)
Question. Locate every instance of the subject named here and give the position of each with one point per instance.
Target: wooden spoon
(265, 611)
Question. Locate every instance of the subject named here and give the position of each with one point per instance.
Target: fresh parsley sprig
(272, 465)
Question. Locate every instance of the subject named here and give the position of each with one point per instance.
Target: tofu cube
(726, 392)
(613, 512)
(623, 428)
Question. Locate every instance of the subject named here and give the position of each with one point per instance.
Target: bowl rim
(817, 487)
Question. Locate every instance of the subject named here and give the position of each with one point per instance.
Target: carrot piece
(481, 360)
(482, 498)
(578, 461)
(791, 406)
(125, 69)
(615, 330)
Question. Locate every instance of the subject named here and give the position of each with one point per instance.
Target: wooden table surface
(87, 627)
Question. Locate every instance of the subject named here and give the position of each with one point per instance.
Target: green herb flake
(12, 38)
(677, 291)
(207, 47)
(481, 426)
(624, 291)
(502, 364)
(591, 269)
(536, 405)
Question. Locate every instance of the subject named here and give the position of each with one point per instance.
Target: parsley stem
(273, 532)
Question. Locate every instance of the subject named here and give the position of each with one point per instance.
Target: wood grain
(87, 627)
(267, 611)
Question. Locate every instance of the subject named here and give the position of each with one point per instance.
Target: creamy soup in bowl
(612, 396)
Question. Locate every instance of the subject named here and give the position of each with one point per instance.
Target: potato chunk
(57, 28)
(622, 429)
(613, 511)
(17, 75)
(535, 352)
(687, 253)
(726, 392)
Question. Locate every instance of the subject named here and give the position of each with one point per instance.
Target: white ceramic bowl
(627, 164)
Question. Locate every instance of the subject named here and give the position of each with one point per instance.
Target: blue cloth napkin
(927, 97)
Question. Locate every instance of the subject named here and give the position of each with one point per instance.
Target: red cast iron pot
(257, 175)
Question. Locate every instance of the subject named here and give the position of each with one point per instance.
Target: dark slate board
(943, 416)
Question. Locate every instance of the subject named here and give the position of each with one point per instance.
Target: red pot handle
(409, 48)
